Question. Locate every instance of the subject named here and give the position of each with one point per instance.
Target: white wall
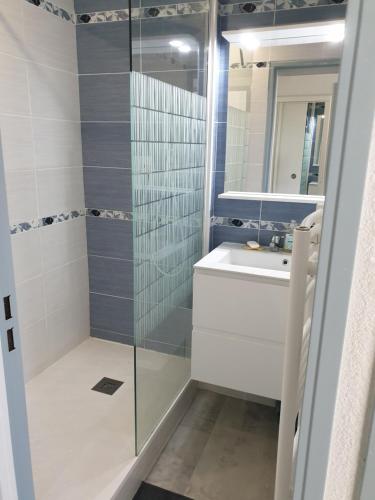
(358, 361)
(40, 127)
(306, 85)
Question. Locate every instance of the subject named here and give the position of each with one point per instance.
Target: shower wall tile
(111, 276)
(41, 141)
(233, 235)
(221, 146)
(104, 80)
(105, 97)
(112, 313)
(30, 301)
(108, 188)
(68, 5)
(21, 195)
(236, 22)
(11, 28)
(57, 143)
(68, 326)
(157, 55)
(17, 142)
(96, 5)
(110, 238)
(54, 94)
(60, 189)
(14, 94)
(103, 47)
(285, 212)
(27, 257)
(66, 284)
(35, 340)
(237, 208)
(106, 145)
(113, 336)
(62, 243)
(49, 41)
(191, 80)
(313, 14)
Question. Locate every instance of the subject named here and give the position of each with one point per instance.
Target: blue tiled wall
(105, 56)
(267, 13)
(104, 65)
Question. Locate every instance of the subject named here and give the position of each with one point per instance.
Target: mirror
(281, 90)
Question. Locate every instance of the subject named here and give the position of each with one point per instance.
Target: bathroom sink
(237, 258)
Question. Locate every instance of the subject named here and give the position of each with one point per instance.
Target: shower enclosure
(168, 151)
(102, 117)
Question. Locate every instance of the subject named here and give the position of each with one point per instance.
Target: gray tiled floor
(224, 448)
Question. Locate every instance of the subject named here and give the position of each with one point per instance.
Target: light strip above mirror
(292, 34)
(282, 197)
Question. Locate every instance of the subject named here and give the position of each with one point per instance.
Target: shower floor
(82, 440)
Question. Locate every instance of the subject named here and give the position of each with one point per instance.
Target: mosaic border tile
(22, 227)
(111, 16)
(268, 225)
(259, 6)
(298, 4)
(104, 213)
(234, 222)
(54, 9)
(263, 225)
(254, 7)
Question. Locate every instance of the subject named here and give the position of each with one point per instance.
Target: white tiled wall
(41, 140)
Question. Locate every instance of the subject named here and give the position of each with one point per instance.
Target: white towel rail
(301, 292)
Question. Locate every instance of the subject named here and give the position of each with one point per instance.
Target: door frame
(16, 482)
(351, 139)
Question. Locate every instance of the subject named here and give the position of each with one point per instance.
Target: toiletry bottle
(288, 242)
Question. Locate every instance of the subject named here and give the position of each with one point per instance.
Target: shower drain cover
(107, 386)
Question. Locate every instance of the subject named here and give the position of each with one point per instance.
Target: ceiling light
(184, 48)
(176, 43)
(249, 41)
(336, 33)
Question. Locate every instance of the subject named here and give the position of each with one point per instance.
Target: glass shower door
(168, 153)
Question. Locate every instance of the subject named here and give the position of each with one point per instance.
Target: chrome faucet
(276, 243)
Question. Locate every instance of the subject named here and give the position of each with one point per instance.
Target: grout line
(38, 117)
(113, 296)
(109, 258)
(32, 62)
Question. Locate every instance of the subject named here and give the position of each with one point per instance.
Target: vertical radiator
(301, 296)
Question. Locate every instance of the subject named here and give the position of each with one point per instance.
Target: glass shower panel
(168, 158)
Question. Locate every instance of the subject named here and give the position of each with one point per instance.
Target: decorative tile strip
(297, 4)
(111, 16)
(192, 8)
(255, 7)
(109, 214)
(259, 6)
(233, 222)
(22, 227)
(265, 225)
(54, 9)
(268, 225)
(106, 16)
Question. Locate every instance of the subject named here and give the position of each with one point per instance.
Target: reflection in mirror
(281, 87)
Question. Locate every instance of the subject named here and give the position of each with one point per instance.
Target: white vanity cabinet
(240, 301)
